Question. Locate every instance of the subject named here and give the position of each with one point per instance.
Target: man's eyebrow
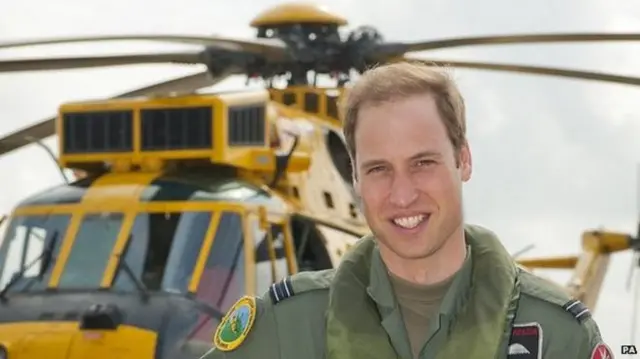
(425, 154)
(419, 155)
(372, 163)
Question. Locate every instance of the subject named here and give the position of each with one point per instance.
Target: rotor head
(297, 13)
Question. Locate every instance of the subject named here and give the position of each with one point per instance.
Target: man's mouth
(410, 222)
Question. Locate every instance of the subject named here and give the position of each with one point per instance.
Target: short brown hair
(403, 79)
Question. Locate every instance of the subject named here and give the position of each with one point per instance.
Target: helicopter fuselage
(153, 248)
(194, 248)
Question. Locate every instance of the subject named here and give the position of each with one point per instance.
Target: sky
(552, 157)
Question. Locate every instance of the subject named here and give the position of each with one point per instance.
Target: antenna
(51, 155)
(523, 251)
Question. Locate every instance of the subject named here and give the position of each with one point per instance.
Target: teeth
(409, 222)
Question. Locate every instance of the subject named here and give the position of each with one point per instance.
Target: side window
(91, 250)
(265, 270)
(223, 278)
(24, 243)
(11, 256)
(278, 235)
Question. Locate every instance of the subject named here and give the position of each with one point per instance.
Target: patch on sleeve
(578, 310)
(236, 324)
(525, 341)
(281, 290)
(601, 351)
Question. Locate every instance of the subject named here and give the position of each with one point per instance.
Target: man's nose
(403, 192)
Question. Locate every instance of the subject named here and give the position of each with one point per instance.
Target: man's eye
(423, 163)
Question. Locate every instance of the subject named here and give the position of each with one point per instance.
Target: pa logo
(629, 349)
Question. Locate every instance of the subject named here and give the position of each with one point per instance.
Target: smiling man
(424, 284)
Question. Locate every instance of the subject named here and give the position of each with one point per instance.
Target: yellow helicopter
(183, 202)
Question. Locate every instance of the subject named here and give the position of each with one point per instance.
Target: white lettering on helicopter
(289, 128)
(297, 126)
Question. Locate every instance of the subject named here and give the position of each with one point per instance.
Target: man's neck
(436, 268)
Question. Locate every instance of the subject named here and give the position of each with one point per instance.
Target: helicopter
(183, 202)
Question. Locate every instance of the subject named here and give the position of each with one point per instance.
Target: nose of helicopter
(98, 334)
(62, 341)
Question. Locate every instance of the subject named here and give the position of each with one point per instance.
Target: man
(424, 285)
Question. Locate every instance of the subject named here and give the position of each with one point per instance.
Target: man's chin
(413, 253)
(408, 250)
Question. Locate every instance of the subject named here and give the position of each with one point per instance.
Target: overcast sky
(553, 157)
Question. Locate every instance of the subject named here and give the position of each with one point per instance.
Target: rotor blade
(97, 61)
(400, 48)
(523, 251)
(267, 47)
(575, 74)
(46, 128)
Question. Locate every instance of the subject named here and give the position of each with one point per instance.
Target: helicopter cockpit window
(25, 241)
(163, 249)
(223, 279)
(91, 250)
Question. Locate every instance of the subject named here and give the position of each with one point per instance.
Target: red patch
(525, 341)
(525, 331)
(601, 351)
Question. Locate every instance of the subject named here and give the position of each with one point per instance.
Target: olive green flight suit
(493, 310)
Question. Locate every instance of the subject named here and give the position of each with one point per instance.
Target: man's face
(407, 176)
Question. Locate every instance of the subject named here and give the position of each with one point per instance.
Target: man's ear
(466, 163)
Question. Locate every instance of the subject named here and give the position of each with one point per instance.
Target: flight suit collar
(458, 293)
(381, 290)
(362, 306)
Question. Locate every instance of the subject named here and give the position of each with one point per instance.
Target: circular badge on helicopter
(236, 324)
